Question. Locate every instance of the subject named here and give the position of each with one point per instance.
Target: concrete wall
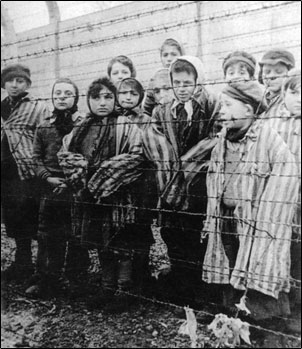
(209, 29)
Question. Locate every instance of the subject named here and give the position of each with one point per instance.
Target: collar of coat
(76, 117)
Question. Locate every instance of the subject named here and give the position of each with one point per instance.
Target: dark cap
(13, 71)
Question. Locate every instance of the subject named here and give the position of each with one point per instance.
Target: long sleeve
(38, 155)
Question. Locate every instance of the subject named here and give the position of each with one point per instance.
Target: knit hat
(278, 56)
(239, 56)
(249, 92)
(13, 71)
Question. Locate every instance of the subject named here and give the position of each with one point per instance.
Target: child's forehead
(101, 91)
(159, 81)
(128, 87)
(63, 86)
(237, 64)
(275, 65)
(183, 74)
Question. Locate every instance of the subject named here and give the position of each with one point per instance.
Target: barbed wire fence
(295, 283)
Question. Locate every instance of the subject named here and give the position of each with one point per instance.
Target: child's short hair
(123, 60)
(97, 85)
(183, 66)
(243, 57)
(292, 81)
(172, 42)
(135, 85)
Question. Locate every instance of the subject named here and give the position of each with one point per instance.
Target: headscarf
(63, 118)
(198, 65)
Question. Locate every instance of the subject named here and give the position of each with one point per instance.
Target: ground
(67, 323)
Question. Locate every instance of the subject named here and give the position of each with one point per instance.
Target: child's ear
(249, 110)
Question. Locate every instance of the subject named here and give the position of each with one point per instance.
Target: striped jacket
(159, 140)
(266, 190)
(20, 128)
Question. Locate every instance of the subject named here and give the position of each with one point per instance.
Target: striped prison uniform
(20, 128)
(266, 194)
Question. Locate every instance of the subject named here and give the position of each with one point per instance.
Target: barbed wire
(174, 24)
(161, 210)
(90, 26)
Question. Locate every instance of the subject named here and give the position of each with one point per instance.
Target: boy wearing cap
(248, 221)
(274, 67)
(239, 66)
(20, 115)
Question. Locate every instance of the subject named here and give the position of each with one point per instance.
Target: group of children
(219, 179)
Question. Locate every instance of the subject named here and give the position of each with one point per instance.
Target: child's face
(128, 98)
(168, 54)
(273, 76)
(103, 104)
(292, 100)
(237, 71)
(184, 85)
(16, 86)
(233, 113)
(63, 96)
(162, 90)
(119, 72)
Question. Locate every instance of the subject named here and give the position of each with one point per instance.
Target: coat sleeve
(38, 155)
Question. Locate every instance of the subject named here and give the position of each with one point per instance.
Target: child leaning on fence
(111, 149)
(55, 204)
(252, 191)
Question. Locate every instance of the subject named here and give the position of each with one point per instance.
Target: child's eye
(156, 90)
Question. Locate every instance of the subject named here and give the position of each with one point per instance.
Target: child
(248, 220)
(290, 130)
(105, 145)
(236, 66)
(130, 94)
(274, 67)
(170, 50)
(55, 209)
(239, 65)
(119, 68)
(20, 115)
(175, 128)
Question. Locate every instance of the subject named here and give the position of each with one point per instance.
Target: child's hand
(60, 189)
(55, 181)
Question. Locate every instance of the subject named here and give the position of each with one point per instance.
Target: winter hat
(278, 56)
(249, 92)
(239, 56)
(13, 71)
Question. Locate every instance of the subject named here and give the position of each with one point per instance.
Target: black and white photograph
(150, 174)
